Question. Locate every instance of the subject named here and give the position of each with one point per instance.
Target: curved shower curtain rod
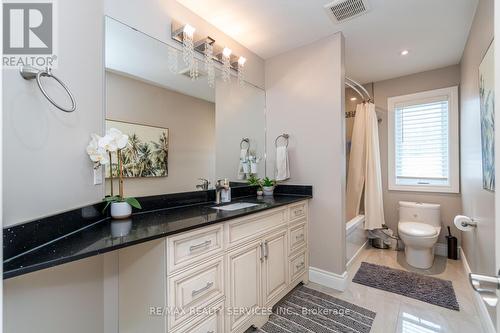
(353, 84)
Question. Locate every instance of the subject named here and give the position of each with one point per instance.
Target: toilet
(419, 226)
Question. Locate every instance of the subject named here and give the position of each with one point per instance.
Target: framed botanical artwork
(487, 114)
(147, 151)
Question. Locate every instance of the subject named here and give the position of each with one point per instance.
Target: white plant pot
(268, 190)
(259, 193)
(120, 210)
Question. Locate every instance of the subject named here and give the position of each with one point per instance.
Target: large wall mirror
(180, 129)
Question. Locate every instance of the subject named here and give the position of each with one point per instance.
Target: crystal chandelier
(226, 64)
(188, 51)
(241, 71)
(209, 63)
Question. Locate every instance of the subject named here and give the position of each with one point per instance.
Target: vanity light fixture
(241, 70)
(226, 64)
(188, 50)
(404, 52)
(211, 51)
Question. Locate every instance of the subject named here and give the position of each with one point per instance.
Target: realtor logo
(28, 33)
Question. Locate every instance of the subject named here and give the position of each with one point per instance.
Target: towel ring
(243, 141)
(284, 136)
(32, 73)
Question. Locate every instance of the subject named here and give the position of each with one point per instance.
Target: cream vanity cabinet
(220, 278)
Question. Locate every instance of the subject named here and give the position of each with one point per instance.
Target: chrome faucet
(204, 184)
(220, 185)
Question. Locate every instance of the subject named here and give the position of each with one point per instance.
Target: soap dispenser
(226, 192)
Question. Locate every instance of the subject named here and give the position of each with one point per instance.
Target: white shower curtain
(364, 168)
(357, 164)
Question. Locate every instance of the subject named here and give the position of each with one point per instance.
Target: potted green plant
(101, 151)
(255, 181)
(268, 186)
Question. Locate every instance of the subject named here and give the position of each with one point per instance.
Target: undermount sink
(236, 206)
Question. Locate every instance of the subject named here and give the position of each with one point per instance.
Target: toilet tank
(420, 212)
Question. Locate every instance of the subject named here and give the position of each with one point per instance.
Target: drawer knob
(199, 291)
(200, 246)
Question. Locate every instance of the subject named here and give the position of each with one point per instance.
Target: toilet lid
(417, 229)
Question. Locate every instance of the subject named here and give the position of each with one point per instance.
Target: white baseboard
(355, 256)
(486, 321)
(328, 279)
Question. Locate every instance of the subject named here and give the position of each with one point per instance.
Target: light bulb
(227, 52)
(242, 61)
(189, 30)
(354, 98)
(404, 52)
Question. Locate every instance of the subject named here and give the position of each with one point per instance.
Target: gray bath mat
(424, 288)
(305, 310)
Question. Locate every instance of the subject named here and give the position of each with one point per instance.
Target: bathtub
(356, 238)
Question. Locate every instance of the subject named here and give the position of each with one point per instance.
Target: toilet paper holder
(466, 221)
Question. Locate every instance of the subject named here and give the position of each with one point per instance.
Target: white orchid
(113, 140)
(97, 154)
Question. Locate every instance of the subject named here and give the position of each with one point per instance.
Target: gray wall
(305, 98)
(479, 245)
(191, 124)
(450, 203)
(240, 113)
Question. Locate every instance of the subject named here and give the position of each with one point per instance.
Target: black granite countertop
(104, 234)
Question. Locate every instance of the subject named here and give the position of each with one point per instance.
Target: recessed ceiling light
(354, 99)
(404, 52)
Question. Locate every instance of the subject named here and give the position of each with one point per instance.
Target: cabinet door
(243, 283)
(275, 266)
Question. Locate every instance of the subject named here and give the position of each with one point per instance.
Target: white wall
(154, 18)
(479, 245)
(305, 98)
(46, 169)
(191, 125)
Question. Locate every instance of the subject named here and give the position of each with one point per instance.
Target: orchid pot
(101, 151)
(120, 210)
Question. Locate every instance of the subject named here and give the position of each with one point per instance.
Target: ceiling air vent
(343, 10)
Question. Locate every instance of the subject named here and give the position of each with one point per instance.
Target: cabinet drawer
(298, 236)
(298, 211)
(298, 265)
(212, 321)
(192, 290)
(244, 229)
(187, 248)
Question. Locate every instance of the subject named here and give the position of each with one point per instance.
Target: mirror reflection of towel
(243, 159)
(282, 164)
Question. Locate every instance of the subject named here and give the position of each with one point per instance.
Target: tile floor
(396, 313)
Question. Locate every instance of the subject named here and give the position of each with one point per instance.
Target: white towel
(282, 164)
(243, 159)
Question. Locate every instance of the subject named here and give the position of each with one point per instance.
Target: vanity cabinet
(221, 278)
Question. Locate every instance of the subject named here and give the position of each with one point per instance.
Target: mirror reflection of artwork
(147, 152)
(487, 101)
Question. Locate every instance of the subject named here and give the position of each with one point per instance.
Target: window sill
(431, 189)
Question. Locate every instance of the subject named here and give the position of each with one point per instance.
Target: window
(423, 141)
